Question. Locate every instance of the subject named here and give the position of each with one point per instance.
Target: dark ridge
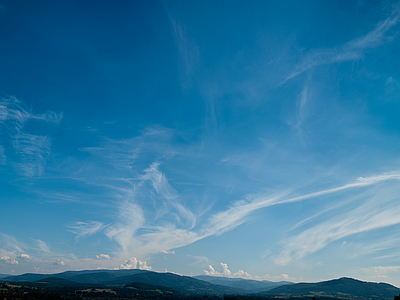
(184, 284)
(150, 290)
(58, 281)
(253, 286)
(342, 288)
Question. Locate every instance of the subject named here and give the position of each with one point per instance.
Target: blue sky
(257, 140)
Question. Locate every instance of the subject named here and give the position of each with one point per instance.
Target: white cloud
(234, 216)
(3, 157)
(224, 272)
(201, 261)
(103, 256)
(134, 263)
(59, 262)
(8, 260)
(188, 51)
(131, 219)
(42, 246)
(85, 229)
(24, 256)
(169, 196)
(169, 236)
(167, 252)
(382, 270)
(10, 243)
(353, 50)
(380, 209)
(241, 274)
(282, 277)
(211, 271)
(31, 150)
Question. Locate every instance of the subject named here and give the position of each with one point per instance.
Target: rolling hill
(348, 288)
(87, 276)
(253, 286)
(183, 284)
(151, 291)
(144, 282)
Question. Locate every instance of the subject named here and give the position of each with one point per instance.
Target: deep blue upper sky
(235, 139)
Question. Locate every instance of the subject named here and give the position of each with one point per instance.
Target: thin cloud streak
(366, 217)
(42, 246)
(188, 51)
(352, 50)
(30, 150)
(85, 229)
(234, 216)
(169, 237)
(169, 196)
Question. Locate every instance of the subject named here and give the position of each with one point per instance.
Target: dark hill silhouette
(253, 286)
(184, 284)
(151, 291)
(341, 288)
(87, 276)
(26, 277)
(54, 281)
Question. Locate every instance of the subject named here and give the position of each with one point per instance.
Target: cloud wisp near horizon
(190, 137)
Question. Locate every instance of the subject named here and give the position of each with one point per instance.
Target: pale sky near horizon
(255, 139)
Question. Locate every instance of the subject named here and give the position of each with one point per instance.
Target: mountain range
(347, 288)
(252, 286)
(148, 281)
(183, 284)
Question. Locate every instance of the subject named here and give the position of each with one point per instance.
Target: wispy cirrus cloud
(234, 216)
(32, 150)
(200, 260)
(379, 210)
(3, 158)
(85, 229)
(188, 51)
(124, 232)
(169, 196)
(29, 151)
(167, 252)
(42, 246)
(137, 234)
(14, 114)
(352, 50)
(381, 271)
(153, 215)
(10, 243)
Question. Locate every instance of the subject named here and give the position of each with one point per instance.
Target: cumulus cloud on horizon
(134, 263)
(59, 262)
(225, 272)
(8, 260)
